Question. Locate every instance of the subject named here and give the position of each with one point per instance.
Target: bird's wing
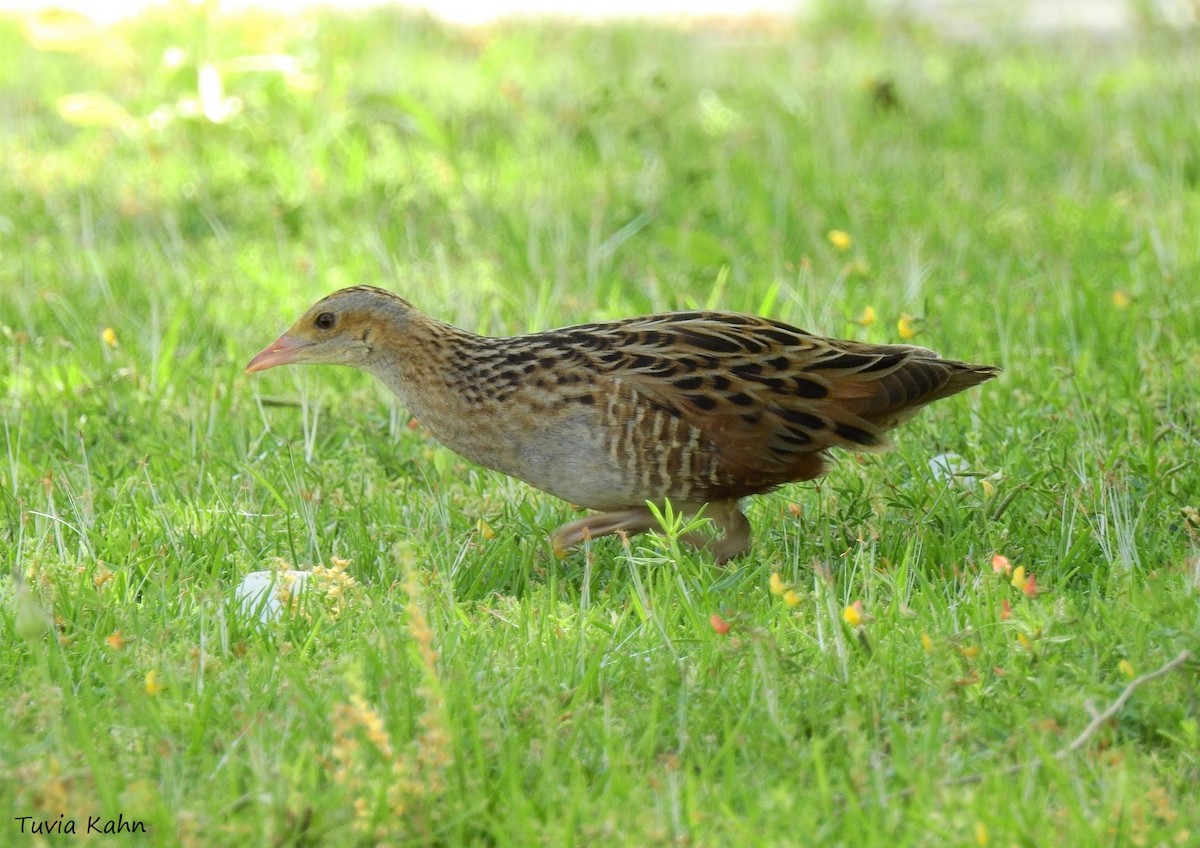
(769, 396)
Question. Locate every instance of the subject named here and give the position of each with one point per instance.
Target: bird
(697, 408)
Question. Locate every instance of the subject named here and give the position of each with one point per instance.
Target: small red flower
(718, 624)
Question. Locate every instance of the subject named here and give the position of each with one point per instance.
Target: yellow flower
(1018, 577)
(109, 337)
(484, 530)
(969, 651)
(926, 642)
(867, 318)
(1126, 668)
(981, 834)
(791, 598)
(153, 685)
(840, 239)
(1121, 299)
(853, 614)
(905, 326)
(778, 587)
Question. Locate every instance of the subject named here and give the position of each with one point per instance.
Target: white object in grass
(259, 592)
(953, 469)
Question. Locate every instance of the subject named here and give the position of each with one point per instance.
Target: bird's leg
(634, 520)
(733, 527)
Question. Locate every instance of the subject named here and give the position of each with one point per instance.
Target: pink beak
(283, 351)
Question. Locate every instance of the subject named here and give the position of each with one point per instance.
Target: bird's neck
(442, 374)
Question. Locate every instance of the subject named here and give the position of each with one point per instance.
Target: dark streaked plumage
(701, 408)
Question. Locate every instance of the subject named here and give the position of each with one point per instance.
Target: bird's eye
(325, 321)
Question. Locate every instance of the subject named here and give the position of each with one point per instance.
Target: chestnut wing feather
(770, 398)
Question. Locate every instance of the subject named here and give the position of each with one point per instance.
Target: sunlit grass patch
(914, 643)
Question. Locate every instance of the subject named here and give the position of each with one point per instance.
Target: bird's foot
(734, 529)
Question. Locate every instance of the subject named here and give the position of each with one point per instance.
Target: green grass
(1034, 204)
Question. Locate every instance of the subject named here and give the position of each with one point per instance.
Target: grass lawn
(909, 660)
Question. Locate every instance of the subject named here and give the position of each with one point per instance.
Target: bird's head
(341, 329)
